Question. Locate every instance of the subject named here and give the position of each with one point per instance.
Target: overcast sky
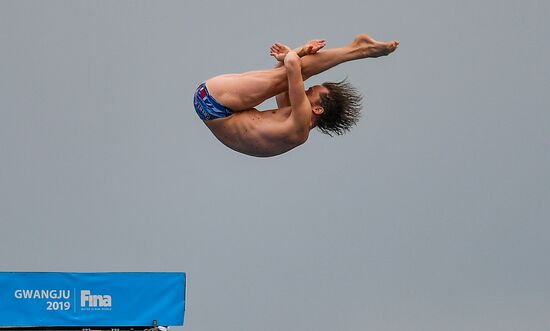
(432, 214)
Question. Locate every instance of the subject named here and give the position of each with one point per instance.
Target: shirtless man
(226, 103)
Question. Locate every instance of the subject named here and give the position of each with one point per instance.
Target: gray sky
(433, 214)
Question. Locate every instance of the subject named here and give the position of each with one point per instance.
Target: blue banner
(43, 299)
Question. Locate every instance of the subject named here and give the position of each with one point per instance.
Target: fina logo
(95, 301)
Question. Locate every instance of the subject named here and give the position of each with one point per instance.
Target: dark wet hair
(341, 106)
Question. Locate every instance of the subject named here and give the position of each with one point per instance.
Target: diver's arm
(301, 108)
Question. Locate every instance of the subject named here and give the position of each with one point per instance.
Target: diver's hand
(279, 51)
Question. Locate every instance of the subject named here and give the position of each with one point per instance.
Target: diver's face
(314, 94)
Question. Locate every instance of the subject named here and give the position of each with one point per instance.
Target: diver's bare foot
(374, 48)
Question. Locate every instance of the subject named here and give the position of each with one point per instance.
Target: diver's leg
(247, 90)
(362, 47)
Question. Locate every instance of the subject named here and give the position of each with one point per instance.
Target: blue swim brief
(207, 107)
